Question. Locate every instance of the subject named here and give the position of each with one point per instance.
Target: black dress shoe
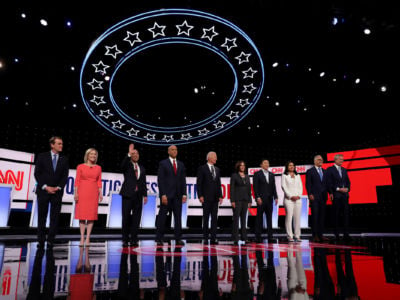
(236, 243)
(247, 242)
(159, 242)
(40, 245)
(125, 244)
(271, 240)
(180, 243)
(134, 244)
(347, 238)
(214, 242)
(49, 245)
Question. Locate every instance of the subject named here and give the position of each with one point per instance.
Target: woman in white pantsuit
(293, 189)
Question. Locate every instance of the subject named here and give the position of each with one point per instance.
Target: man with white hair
(339, 188)
(210, 194)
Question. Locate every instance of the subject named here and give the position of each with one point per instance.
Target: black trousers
(43, 201)
(265, 207)
(341, 205)
(318, 208)
(131, 215)
(210, 208)
(128, 284)
(240, 212)
(175, 206)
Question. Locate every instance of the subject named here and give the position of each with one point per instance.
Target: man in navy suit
(210, 194)
(51, 174)
(316, 184)
(134, 194)
(172, 190)
(339, 188)
(265, 194)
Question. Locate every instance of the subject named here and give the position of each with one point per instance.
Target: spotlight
(309, 69)
(69, 24)
(335, 21)
(23, 16)
(72, 68)
(367, 31)
(334, 79)
(107, 78)
(322, 74)
(16, 60)
(43, 22)
(357, 81)
(1, 65)
(74, 105)
(383, 88)
(196, 90)
(275, 64)
(276, 103)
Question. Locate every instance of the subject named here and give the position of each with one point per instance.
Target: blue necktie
(54, 162)
(340, 171)
(320, 173)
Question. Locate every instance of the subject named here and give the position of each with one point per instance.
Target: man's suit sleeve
(183, 180)
(143, 183)
(329, 180)
(160, 179)
(64, 176)
(219, 184)
(199, 182)
(38, 171)
(348, 180)
(249, 191)
(256, 186)
(309, 182)
(274, 186)
(125, 164)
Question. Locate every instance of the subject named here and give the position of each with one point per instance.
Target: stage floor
(368, 268)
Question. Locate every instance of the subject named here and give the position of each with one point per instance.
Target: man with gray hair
(210, 194)
(339, 188)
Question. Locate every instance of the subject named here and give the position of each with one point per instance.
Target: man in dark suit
(339, 188)
(210, 194)
(172, 190)
(134, 193)
(316, 184)
(265, 194)
(51, 174)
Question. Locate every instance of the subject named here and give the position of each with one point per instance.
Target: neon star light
(134, 35)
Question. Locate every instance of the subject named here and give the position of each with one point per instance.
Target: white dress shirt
(292, 187)
(172, 162)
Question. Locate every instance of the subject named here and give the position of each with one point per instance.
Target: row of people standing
(51, 173)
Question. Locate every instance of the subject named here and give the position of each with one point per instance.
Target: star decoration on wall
(113, 51)
(243, 57)
(203, 131)
(248, 88)
(118, 124)
(209, 33)
(233, 115)
(249, 73)
(100, 67)
(229, 44)
(132, 132)
(157, 30)
(150, 137)
(105, 113)
(219, 124)
(184, 28)
(185, 136)
(168, 138)
(243, 102)
(95, 84)
(132, 38)
(98, 100)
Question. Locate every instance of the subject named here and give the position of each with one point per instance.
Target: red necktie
(174, 165)
(136, 173)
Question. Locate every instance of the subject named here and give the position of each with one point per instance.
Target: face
(57, 146)
(212, 158)
(135, 156)
(318, 161)
(92, 156)
(242, 167)
(265, 164)
(173, 151)
(291, 167)
(339, 160)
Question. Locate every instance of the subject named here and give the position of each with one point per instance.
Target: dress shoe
(236, 243)
(247, 242)
(214, 242)
(347, 238)
(297, 240)
(271, 240)
(49, 245)
(134, 244)
(160, 243)
(125, 244)
(40, 245)
(180, 243)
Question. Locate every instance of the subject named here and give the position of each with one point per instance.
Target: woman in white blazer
(293, 189)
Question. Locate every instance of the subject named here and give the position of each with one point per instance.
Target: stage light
(258, 126)
(6, 98)
(305, 108)
(69, 24)
(383, 88)
(23, 16)
(249, 128)
(276, 103)
(16, 60)
(72, 68)
(367, 31)
(287, 65)
(196, 90)
(43, 22)
(74, 105)
(107, 78)
(322, 74)
(309, 69)
(1, 65)
(357, 81)
(335, 21)
(334, 79)
(275, 64)
(26, 103)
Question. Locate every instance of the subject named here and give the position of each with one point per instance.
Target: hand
(184, 198)
(259, 201)
(343, 190)
(220, 200)
(131, 148)
(249, 205)
(311, 197)
(331, 197)
(276, 201)
(76, 198)
(100, 197)
(51, 190)
(164, 200)
(144, 200)
(233, 204)
(294, 198)
(201, 199)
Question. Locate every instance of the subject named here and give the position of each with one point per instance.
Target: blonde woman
(87, 194)
(292, 187)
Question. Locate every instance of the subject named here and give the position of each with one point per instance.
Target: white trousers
(293, 211)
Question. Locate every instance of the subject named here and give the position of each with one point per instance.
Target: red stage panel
(364, 153)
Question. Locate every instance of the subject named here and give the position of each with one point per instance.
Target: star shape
(98, 100)
(168, 138)
(229, 44)
(95, 84)
(249, 88)
(184, 25)
(249, 73)
(185, 136)
(130, 40)
(219, 124)
(157, 30)
(233, 115)
(243, 57)
(113, 51)
(207, 35)
(243, 102)
(118, 124)
(149, 136)
(203, 131)
(100, 67)
(132, 131)
(105, 113)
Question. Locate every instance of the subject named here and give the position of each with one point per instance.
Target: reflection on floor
(367, 269)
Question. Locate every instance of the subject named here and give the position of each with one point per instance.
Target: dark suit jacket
(262, 189)
(314, 184)
(169, 184)
(44, 173)
(335, 181)
(130, 181)
(208, 187)
(240, 191)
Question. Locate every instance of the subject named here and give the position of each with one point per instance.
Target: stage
(366, 267)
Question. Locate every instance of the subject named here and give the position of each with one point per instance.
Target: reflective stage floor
(367, 268)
